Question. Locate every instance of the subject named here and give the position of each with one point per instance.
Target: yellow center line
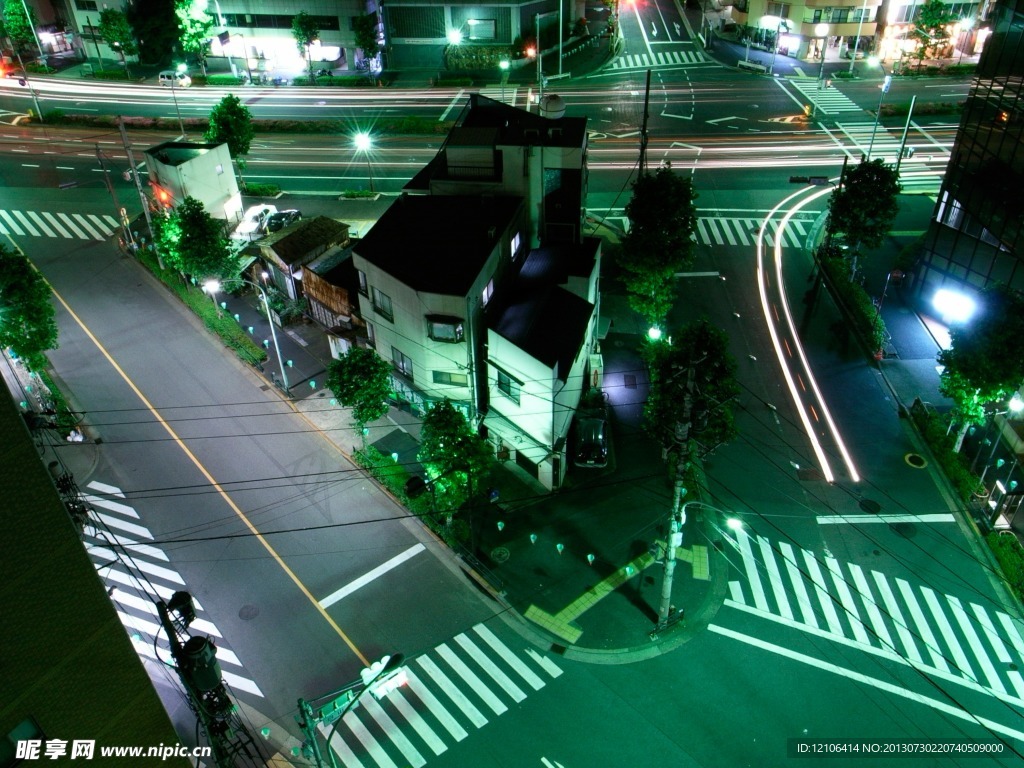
(202, 469)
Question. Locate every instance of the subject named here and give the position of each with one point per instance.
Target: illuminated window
(402, 363)
(516, 242)
(451, 379)
(444, 328)
(382, 305)
(781, 10)
(362, 282)
(508, 386)
(488, 290)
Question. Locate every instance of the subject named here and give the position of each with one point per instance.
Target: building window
(451, 379)
(444, 328)
(363, 289)
(488, 290)
(508, 386)
(85, 5)
(371, 334)
(382, 305)
(516, 242)
(781, 10)
(402, 363)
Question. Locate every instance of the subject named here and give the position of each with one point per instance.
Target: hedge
(857, 305)
(927, 108)
(956, 466)
(260, 190)
(112, 74)
(1010, 556)
(353, 194)
(338, 81)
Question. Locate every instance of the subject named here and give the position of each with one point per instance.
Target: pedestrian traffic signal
(384, 676)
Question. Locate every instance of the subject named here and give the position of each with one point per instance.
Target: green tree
(984, 363)
(930, 27)
(361, 380)
(195, 25)
(705, 348)
(118, 34)
(192, 242)
(27, 323)
(21, 29)
(365, 28)
(662, 221)
(306, 31)
(457, 459)
(865, 205)
(231, 124)
(156, 29)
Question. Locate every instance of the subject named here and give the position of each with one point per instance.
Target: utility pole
(96, 42)
(122, 215)
(643, 127)
(138, 187)
(903, 139)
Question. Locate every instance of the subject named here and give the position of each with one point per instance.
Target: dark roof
(298, 240)
(539, 316)
(68, 660)
(178, 152)
(438, 244)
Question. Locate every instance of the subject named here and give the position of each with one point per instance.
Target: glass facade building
(976, 235)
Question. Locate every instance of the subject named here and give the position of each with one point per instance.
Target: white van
(169, 78)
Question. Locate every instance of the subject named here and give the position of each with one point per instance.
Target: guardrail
(753, 66)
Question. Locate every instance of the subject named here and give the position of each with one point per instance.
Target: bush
(111, 74)
(254, 189)
(853, 300)
(337, 81)
(219, 80)
(1010, 556)
(39, 69)
(66, 419)
(454, 82)
(352, 194)
(933, 429)
(935, 108)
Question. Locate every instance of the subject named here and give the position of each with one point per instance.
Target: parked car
(281, 219)
(254, 220)
(170, 78)
(591, 442)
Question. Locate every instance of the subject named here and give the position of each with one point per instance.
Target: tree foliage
(193, 242)
(706, 348)
(118, 34)
(361, 380)
(662, 221)
(21, 29)
(231, 123)
(27, 324)
(457, 459)
(365, 28)
(195, 24)
(306, 31)
(984, 363)
(865, 206)
(931, 27)
(156, 29)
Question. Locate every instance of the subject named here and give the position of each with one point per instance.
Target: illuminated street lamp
(821, 30)
(963, 26)
(364, 143)
(212, 287)
(454, 37)
(886, 82)
(503, 65)
(954, 307)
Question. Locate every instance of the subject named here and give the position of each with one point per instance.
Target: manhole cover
(870, 506)
(248, 612)
(499, 554)
(916, 460)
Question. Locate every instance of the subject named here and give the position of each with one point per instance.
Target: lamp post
(898, 275)
(503, 66)
(886, 82)
(174, 98)
(963, 26)
(856, 43)
(783, 24)
(213, 286)
(821, 30)
(364, 143)
(245, 54)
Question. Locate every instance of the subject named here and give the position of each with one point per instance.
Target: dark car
(591, 443)
(282, 219)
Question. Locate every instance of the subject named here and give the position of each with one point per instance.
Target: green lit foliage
(865, 206)
(231, 124)
(195, 24)
(192, 242)
(118, 34)
(457, 459)
(361, 380)
(931, 27)
(984, 364)
(19, 28)
(662, 221)
(714, 378)
(27, 324)
(156, 29)
(365, 28)
(306, 31)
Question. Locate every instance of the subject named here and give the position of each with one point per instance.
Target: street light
(886, 82)
(212, 287)
(503, 65)
(783, 24)
(856, 43)
(364, 142)
(821, 30)
(174, 98)
(964, 25)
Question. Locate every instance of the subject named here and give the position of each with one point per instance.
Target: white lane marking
(957, 712)
(774, 577)
(41, 224)
(946, 629)
(510, 658)
(975, 642)
(373, 707)
(488, 666)
(417, 722)
(858, 519)
(11, 223)
(451, 691)
(134, 548)
(341, 749)
(366, 578)
(113, 506)
(896, 616)
(101, 224)
(238, 683)
(470, 677)
(116, 522)
(369, 743)
(23, 219)
(72, 225)
(141, 565)
(849, 604)
(546, 663)
(923, 628)
(878, 627)
(56, 224)
(828, 606)
(797, 580)
(437, 710)
(736, 591)
(131, 581)
(750, 565)
(87, 225)
(451, 105)
(997, 644)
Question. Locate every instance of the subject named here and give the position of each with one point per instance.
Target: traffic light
(384, 676)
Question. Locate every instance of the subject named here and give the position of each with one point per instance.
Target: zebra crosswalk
(921, 174)
(950, 638)
(722, 230)
(137, 574)
(828, 101)
(83, 226)
(450, 690)
(497, 93)
(659, 59)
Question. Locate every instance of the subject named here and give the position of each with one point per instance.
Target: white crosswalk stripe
(828, 101)
(57, 225)
(497, 93)
(971, 644)
(659, 59)
(411, 722)
(136, 573)
(921, 174)
(722, 230)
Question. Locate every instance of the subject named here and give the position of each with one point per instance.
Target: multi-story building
(204, 171)
(795, 23)
(977, 233)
